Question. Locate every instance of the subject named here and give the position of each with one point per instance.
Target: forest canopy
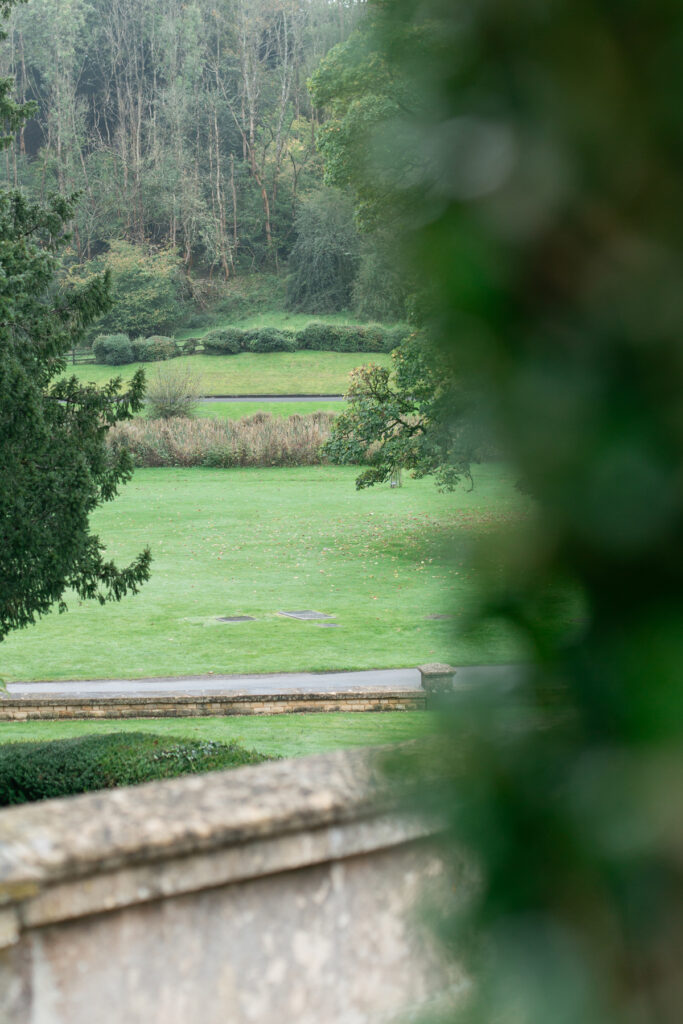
(182, 124)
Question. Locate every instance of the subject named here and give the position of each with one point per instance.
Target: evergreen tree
(54, 465)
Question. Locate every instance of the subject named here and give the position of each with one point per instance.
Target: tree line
(182, 124)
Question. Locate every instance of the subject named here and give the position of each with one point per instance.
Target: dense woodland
(186, 125)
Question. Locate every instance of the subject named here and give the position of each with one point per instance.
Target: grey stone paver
(304, 682)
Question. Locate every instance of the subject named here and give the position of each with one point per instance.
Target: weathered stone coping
(172, 705)
(70, 858)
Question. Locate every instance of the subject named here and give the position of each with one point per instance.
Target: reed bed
(258, 440)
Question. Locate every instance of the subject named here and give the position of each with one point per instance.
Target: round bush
(155, 349)
(227, 341)
(267, 339)
(113, 349)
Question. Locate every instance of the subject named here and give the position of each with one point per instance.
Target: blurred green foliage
(545, 225)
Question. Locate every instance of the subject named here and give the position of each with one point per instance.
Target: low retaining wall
(281, 892)
(30, 708)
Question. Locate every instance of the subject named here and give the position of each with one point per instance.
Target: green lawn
(284, 735)
(254, 373)
(236, 410)
(254, 541)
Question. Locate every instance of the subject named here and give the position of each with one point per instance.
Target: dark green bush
(189, 346)
(268, 339)
(395, 336)
(155, 349)
(225, 341)
(113, 349)
(39, 771)
(324, 337)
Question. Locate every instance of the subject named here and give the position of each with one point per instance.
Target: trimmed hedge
(155, 349)
(40, 771)
(227, 341)
(325, 337)
(117, 349)
(268, 339)
(113, 349)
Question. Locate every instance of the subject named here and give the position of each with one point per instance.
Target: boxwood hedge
(39, 771)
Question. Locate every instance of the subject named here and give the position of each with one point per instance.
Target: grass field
(283, 735)
(237, 410)
(253, 542)
(254, 373)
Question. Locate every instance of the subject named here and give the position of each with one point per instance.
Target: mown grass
(274, 735)
(254, 373)
(256, 541)
(239, 410)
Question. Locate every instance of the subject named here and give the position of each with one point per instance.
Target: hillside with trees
(189, 127)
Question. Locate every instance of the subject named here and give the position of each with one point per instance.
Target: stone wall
(21, 709)
(285, 893)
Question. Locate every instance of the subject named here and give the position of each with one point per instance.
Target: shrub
(395, 336)
(189, 346)
(227, 341)
(259, 440)
(173, 391)
(319, 336)
(324, 337)
(155, 349)
(113, 349)
(40, 771)
(267, 339)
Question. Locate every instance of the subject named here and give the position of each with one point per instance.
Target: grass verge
(254, 542)
(274, 735)
(239, 410)
(254, 373)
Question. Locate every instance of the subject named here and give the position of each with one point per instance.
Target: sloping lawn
(253, 373)
(254, 542)
(274, 735)
(237, 410)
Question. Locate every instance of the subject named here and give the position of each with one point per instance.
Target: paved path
(305, 682)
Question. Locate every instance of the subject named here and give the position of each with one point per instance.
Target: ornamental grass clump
(259, 440)
(172, 392)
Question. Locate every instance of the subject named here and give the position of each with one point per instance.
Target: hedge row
(259, 440)
(317, 336)
(117, 349)
(39, 771)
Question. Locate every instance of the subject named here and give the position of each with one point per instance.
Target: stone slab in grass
(235, 618)
(438, 618)
(306, 615)
(329, 625)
